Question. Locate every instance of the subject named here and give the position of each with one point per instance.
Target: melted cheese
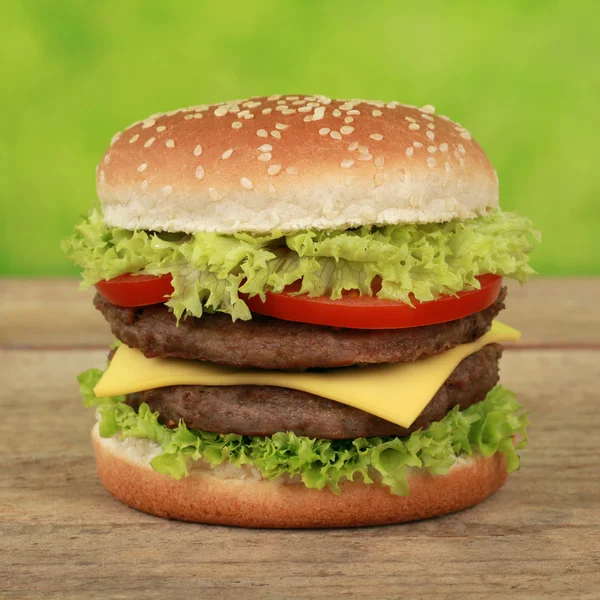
(397, 393)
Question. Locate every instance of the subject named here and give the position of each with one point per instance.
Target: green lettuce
(210, 270)
(486, 427)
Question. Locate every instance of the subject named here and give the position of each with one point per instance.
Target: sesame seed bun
(204, 497)
(291, 163)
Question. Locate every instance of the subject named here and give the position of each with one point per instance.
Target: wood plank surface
(55, 312)
(62, 536)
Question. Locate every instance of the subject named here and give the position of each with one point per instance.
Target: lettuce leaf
(486, 427)
(210, 270)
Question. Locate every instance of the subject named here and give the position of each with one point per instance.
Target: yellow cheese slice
(397, 393)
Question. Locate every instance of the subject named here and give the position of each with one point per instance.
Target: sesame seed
(417, 144)
(198, 150)
(170, 144)
(144, 185)
(167, 191)
(266, 111)
(246, 183)
(249, 116)
(188, 117)
(336, 135)
(274, 169)
(281, 126)
(199, 173)
(324, 130)
(304, 109)
(288, 111)
(430, 135)
(318, 113)
(348, 120)
(363, 150)
(148, 123)
(353, 146)
(432, 149)
(227, 153)
(391, 105)
(197, 115)
(274, 97)
(212, 192)
(307, 118)
(149, 142)
(115, 138)
(379, 161)
(444, 147)
(276, 134)
(409, 151)
(161, 128)
(262, 133)
(347, 163)
(292, 171)
(282, 102)
(134, 138)
(347, 106)
(265, 157)
(107, 158)
(428, 108)
(465, 135)
(431, 162)
(236, 125)
(353, 112)
(426, 117)
(221, 111)
(376, 136)
(430, 125)
(142, 167)
(461, 149)
(265, 148)
(376, 113)
(410, 119)
(414, 126)
(346, 130)
(337, 113)
(364, 157)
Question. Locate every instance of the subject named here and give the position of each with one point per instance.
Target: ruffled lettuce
(486, 427)
(210, 270)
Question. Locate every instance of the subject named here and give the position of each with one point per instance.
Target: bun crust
(291, 163)
(205, 498)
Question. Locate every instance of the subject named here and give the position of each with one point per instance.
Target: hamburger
(303, 293)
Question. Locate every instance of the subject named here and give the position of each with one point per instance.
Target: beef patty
(268, 343)
(265, 410)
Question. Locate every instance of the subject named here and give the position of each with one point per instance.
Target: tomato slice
(369, 312)
(136, 290)
(351, 311)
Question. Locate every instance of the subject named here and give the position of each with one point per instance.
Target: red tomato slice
(136, 290)
(369, 312)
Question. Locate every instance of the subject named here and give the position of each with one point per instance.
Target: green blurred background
(523, 76)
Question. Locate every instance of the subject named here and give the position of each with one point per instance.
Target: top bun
(291, 163)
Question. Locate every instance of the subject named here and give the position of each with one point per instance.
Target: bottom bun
(249, 501)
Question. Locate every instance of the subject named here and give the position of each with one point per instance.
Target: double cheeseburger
(303, 292)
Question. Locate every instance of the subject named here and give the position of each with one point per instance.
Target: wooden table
(62, 536)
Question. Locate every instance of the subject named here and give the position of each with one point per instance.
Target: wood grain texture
(548, 311)
(62, 536)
